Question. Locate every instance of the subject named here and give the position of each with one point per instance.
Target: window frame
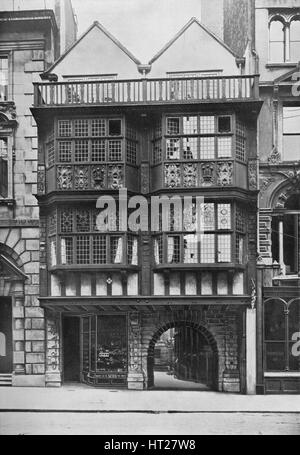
(7, 134)
(284, 134)
(56, 234)
(161, 239)
(181, 136)
(286, 341)
(286, 18)
(7, 56)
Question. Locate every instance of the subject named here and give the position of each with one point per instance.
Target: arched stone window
(284, 38)
(277, 40)
(7, 126)
(295, 39)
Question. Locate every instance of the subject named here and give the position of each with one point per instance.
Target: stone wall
(222, 324)
(238, 24)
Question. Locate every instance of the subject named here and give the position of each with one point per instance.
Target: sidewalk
(79, 398)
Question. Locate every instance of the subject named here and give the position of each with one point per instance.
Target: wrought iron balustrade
(147, 91)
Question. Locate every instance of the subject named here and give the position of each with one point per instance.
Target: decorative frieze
(64, 177)
(189, 175)
(53, 343)
(115, 176)
(224, 173)
(98, 180)
(41, 180)
(253, 175)
(172, 175)
(81, 177)
(208, 174)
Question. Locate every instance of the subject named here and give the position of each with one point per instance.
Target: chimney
(212, 16)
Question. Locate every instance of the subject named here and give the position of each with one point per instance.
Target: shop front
(95, 350)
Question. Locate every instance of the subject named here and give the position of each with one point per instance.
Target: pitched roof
(193, 20)
(96, 24)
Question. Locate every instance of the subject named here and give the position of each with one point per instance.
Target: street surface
(148, 424)
(80, 409)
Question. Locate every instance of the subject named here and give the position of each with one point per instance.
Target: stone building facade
(29, 43)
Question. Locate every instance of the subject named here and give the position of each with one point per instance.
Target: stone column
(251, 351)
(53, 350)
(135, 372)
(19, 338)
(265, 236)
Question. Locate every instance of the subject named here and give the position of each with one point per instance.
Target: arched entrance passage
(196, 354)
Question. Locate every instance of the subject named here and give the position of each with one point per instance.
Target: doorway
(5, 335)
(71, 349)
(182, 357)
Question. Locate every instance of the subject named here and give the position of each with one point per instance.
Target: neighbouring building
(176, 126)
(270, 31)
(29, 44)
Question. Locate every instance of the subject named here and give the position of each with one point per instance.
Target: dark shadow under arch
(180, 324)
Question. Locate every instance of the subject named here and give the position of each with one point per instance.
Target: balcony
(147, 91)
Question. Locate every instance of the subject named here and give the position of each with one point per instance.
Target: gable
(96, 53)
(194, 49)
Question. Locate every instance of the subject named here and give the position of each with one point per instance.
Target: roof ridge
(90, 28)
(191, 21)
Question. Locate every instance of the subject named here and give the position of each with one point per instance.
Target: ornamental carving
(224, 174)
(66, 220)
(207, 171)
(53, 344)
(81, 177)
(172, 175)
(83, 221)
(253, 294)
(264, 184)
(274, 157)
(115, 176)
(64, 177)
(8, 112)
(98, 177)
(190, 175)
(294, 178)
(52, 223)
(135, 343)
(252, 175)
(145, 178)
(293, 187)
(41, 180)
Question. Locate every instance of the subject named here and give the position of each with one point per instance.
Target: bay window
(75, 240)
(214, 244)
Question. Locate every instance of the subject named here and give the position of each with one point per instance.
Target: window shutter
(3, 178)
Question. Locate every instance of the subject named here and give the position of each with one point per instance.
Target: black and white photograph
(150, 220)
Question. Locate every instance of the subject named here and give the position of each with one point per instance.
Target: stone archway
(195, 329)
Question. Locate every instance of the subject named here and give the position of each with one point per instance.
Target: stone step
(5, 380)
